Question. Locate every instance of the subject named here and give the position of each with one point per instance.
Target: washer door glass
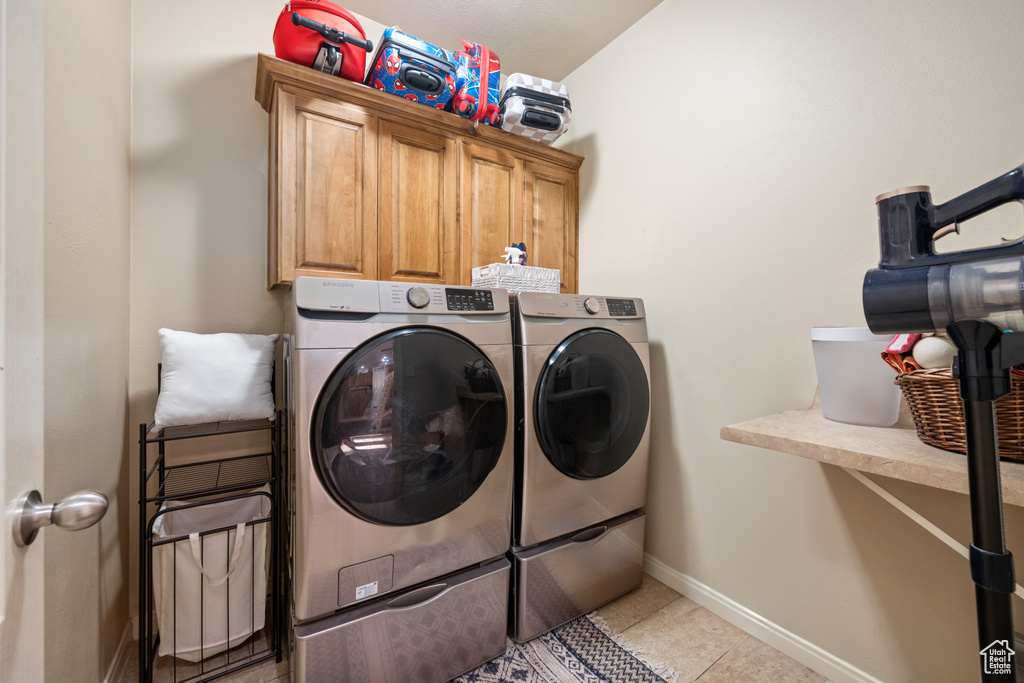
(408, 426)
(591, 404)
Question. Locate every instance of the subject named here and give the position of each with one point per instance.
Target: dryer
(582, 450)
(400, 477)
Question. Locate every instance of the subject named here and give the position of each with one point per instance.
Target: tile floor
(698, 644)
(672, 629)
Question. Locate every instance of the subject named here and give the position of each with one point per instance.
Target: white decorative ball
(934, 352)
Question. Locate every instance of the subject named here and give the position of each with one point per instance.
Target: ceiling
(544, 38)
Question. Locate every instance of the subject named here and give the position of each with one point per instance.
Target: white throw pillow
(214, 377)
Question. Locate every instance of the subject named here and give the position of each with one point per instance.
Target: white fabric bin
(204, 586)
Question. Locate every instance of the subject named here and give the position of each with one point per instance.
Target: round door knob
(75, 512)
(418, 297)
(591, 305)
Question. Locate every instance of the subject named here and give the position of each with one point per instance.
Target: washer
(401, 463)
(582, 451)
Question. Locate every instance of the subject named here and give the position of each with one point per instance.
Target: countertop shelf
(889, 451)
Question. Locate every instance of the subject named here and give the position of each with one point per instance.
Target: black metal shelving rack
(211, 481)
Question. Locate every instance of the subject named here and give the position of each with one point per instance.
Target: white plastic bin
(210, 590)
(856, 386)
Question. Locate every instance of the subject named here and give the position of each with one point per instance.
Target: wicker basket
(938, 411)
(516, 278)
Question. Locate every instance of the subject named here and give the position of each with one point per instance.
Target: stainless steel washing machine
(401, 463)
(582, 449)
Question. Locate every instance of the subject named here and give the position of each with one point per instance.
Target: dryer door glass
(591, 404)
(408, 426)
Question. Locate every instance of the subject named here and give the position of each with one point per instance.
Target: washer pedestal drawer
(562, 579)
(429, 634)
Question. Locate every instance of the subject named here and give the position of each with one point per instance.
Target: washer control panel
(405, 297)
(469, 299)
(362, 296)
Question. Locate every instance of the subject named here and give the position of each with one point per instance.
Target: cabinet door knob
(78, 511)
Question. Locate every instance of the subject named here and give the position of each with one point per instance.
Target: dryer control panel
(618, 308)
(545, 305)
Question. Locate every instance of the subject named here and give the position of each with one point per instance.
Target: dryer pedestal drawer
(562, 579)
(429, 634)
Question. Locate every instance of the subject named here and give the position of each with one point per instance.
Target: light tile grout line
(716, 661)
(722, 656)
(640, 621)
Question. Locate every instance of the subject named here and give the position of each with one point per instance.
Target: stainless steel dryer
(401, 459)
(582, 442)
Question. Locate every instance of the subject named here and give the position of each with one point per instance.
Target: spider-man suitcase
(323, 36)
(535, 108)
(476, 65)
(413, 69)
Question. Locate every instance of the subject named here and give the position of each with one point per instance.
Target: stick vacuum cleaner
(977, 297)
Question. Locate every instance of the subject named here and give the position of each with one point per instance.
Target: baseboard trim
(124, 650)
(810, 655)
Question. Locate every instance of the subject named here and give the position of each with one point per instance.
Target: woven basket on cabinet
(517, 278)
(934, 400)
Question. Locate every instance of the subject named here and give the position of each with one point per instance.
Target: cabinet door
(417, 238)
(323, 202)
(489, 206)
(551, 219)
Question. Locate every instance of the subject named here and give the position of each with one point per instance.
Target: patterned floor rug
(581, 651)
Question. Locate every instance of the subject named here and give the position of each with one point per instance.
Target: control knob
(591, 305)
(418, 297)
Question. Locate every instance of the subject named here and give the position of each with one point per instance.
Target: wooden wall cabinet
(323, 207)
(550, 218)
(366, 185)
(416, 236)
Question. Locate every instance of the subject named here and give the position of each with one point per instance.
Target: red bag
(329, 38)
(477, 83)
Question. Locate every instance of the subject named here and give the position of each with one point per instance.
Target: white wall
(87, 103)
(733, 153)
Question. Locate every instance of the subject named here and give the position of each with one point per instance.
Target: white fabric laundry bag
(210, 590)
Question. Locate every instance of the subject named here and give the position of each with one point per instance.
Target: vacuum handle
(909, 223)
(331, 34)
(1005, 188)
